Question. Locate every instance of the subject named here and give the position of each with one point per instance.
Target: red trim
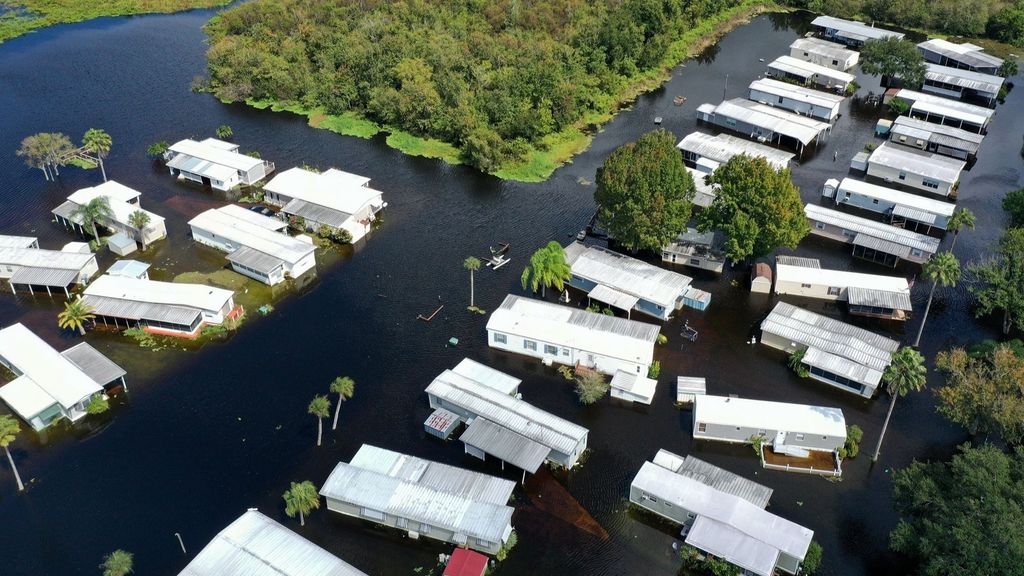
(173, 333)
(237, 312)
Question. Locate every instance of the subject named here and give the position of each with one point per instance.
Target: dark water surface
(204, 435)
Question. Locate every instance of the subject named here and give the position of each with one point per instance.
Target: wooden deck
(818, 462)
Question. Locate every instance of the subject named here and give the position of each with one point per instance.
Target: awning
(505, 444)
(96, 366)
(914, 214)
(879, 298)
(55, 277)
(865, 241)
(316, 213)
(25, 397)
(613, 297)
(255, 260)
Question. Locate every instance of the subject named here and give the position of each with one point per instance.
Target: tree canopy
(999, 281)
(1013, 204)
(547, 267)
(893, 58)
(644, 192)
(984, 394)
(962, 517)
(998, 19)
(757, 206)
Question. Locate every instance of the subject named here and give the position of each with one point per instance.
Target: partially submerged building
(764, 123)
(23, 263)
(258, 246)
(696, 250)
(901, 209)
(799, 99)
(964, 56)
(874, 241)
(708, 152)
(48, 385)
(824, 53)
(333, 198)
(936, 138)
(839, 354)
(502, 425)
(704, 194)
(809, 73)
(722, 514)
(850, 32)
(123, 202)
(569, 336)
(940, 110)
(962, 84)
(872, 295)
(422, 498)
(932, 173)
(256, 545)
(632, 387)
(215, 163)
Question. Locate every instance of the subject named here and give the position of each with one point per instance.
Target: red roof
(466, 563)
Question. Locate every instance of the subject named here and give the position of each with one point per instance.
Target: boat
(500, 250)
(498, 258)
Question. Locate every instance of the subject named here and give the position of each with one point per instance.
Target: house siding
(916, 181)
(804, 108)
(567, 355)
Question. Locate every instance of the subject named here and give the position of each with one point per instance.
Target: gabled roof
(625, 274)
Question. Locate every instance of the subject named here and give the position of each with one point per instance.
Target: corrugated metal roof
(477, 372)
(636, 385)
(829, 50)
(101, 369)
(339, 191)
(805, 69)
(212, 154)
(817, 276)
(200, 296)
(129, 268)
(794, 92)
(722, 147)
(131, 310)
(854, 28)
(626, 275)
(254, 218)
(866, 229)
(766, 415)
(967, 79)
(242, 231)
(886, 246)
(798, 261)
(36, 360)
(255, 545)
(844, 367)
(718, 478)
(914, 214)
(968, 54)
(254, 259)
(946, 107)
(863, 296)
(121, 199)
(316, 213)
(613, 297)
(722, 540)
(26, 398)
(502, 443)
(18, 242)
(939, 134)
(898, 197)
(36, 258)
(778, 121)
(692, 383)
(55, 277)
(911, 160)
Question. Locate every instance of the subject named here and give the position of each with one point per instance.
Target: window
(500, 338)
(702, 427)
(780, 99)
(530, 345)
(799, 437)
(652, 498)
(916, 253)
(424, 529)
(483, 543)
(694, 262)
(565, 351)
(835, 62)
(368, 513)
(549, 349)
(833, 291)
(850, 233)
(929, 184)
(903, 176)
(819, 225)
(737, 427)
(668, 504)
(805, 285)
(874, 200)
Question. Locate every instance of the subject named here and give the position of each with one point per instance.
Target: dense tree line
(493, 78)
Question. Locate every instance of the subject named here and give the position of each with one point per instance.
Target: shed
(121, 244)
(441, 423)
(761, 278)
(689, 387)
(466, 563)
(633, 387)
(130, 269)
(882, 127)
(859, 162)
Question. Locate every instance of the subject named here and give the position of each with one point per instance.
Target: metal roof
(704, 193)
(259, 237)
(886, 246)
(967, 79)
(794, 92)
(255, 545)
(254, 218)
(926, 164)
(722, 540)
(939, 134)
(101, 369)
(968, 54)
(722, 147)
(334, 189)
(588, 331)
(863, 296)
(505, 444)
(254, 259)
(914, 214)
(199, 296)
(840, 279)
(120, 199)
(692, 383)
(718, 478)
(19, 242)
(865, 228)
(636, 385)
(613, 297)
(129, 268)
(37, 258)
(853, 29)
(897, 197)
(213, 155)
(122, 241)
(55, 277)
(795, 126)
(626, 275)
(114, 191)
(34, 359)
(830, 50)
(767, 415)
(316, 213)
(131, 310)
(798, 261)
(487, 376)
(805, 69)
(946, 107)
(26, 397)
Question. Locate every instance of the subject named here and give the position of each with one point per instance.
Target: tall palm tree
(906, 373)
(320, 407)
(547, 267)
(472, 264)
(139, 220)
(9, 429)
(117, 563)
(344, 387)
(98, 142)
(75, 316)
(94, 213)
(301, 499)
(961, 218)
(943, 268)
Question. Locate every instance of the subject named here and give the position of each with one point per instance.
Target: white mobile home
(423, 498)
(258, 246)
(737, 420)
(25, 264)
(764, 123)
(839, 354)
(875, 241)
(805, 101)
(333, 198)
(160, 307)
(964, 56)
(789, 68)
(215, 163)
(909, 211)
(867, 294)
(571, 336)
(123, 202)
(704, 150)
(850, 32)
(930, 137)
(696, 250)
(824, 53)
(962, 84)
(925, 171)
(945, 111)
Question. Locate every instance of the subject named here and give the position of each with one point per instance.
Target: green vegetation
(320, 407)
(547, 267)
(812, 560)
(117, 563)
(9, 429)
(655, 370)
(757, 206)
(98, 143)
(851, 447)
(893, 58)
(507, 547)
(472, 264)
(987, 347)
(984, 394)
(944, 269)
(757, 443)
(510, 89)
(962, 517)
(139, 220)
(94, 213)
(302, 498)
(46, 151)
(591, 385)
(796, 363)
(693, 563)
(906, 374)
(662, 339)
(1013, 204)
(224, 132)
(962, 218)
(1007, 25)
(899, 107)
(27, 15)
(75, 316)
(1000, 281)
(345, 388)
(644, 193)
(157, 149)
(97, 405)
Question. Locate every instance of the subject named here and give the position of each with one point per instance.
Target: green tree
(1007, 25)
(1009, 68)
(97, 405)
(905, 374)
(117, 563)
(1013, 204)
(899, 106)
(345, 388)
(962, 517)
(46, 151)
(9, 429)
(547, 267)
(796, 363)
(984, 394)
(320, 407)
(302, 498)
(644, 193)
(472, 264)
(158, 149)
(893, 58)
(76, 315)
(139, 219)
(99, 143)
(757, 206)
(591, 385)
(942, 268)
(224, 132)
(93, 213)
(812, 560)
(961, 218)
(1000, 281)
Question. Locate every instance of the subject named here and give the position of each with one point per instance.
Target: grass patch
(347, 124)
(427, 147)
(223, 278)
(83, 163)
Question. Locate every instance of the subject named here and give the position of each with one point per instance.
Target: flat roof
(214, 154)
(900, 198)
(334, 189)
(316, 213)
(718, 478)
(798, 93)
(254, 218)
(969, 54)
(198, 296)
(767, 415)
(825, 48)
(504, 444)
(896, 289)
(255, 260)
(228, 224)
(853, 29)
(131, 268)
(119, 198)
(873, 229)
(927, 164)
(38, 258)
(636, 384)
(37, 361)
(807, 69)
(255, 545)
(135, 310)
(52, 277)
(18, 242)
(99, 368)
(802, 128)
(946, 106)
(722, 147)
(483, 374)
(967, 79)
(939, 134)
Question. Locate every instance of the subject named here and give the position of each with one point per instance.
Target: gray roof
(801, 128)
(798, 261)
(825, 48)
(795, 92)
(715, 477)
(925, 164)
(884, 234)
(505, 444)
(946, 107)
(255, 545)
(853, 29)
(121, 240)
(101, 369)
(722, 147)
(129, 268)
(134, 310)
(252, 258)
(939, 134)
(627, 275)
(967, 79)
(968, 54)
(56, 277)
(316, 213)
(695, 237)
(880, 298)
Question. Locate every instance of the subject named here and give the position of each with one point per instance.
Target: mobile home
(215, 163)
(123, 202)
(799, 99)
(160, 307)
(850, 32)
(824, 53)
(964, 56)
(23, 263)
(333, 198)
(945, 111)
(880, 243)
(908, 211)
(936, 138)
(704, 150)
(764, 123)
(932, 173)
(696, 250)
(962, 84)
(737, 420)
(809, 73)
(867, 294)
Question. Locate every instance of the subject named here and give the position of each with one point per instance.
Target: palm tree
(224, 132)
(75, 315)
(547, 268)
(943, 268)
(117, 563)
(320, 407)
(139, 220)
(961, 218)
(344, 387)
(93, 213)
(9, 429)
(905, 374)
(98, 142)
(472, 264)
(301, 499)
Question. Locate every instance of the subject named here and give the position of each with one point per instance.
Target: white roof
(765, 415)
(487, 376)
(926, 164)
(794, 92)
(802, 128)
(967, 53)
(853, 29)
(52, 373)
(332, 188)
(255, 545)
(825, 48)
(964, 78)
(923, 203)
(840, 278)
(723, 147)
(38, 258)
(214, 142)
(256, 219)
(626, 275)
(119, 199)
(879, 230)
(260, 237)
(940, 134)
(946, 107)
(215, 153)
(620, 338)
(807, 69)
(18, 241)
(153, 292)
(26, 397)
(635, 384)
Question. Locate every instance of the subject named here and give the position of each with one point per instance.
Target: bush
(297, 223)
(98, 405)
(654, 370)
(662, 339)
(513, 539)
(757, 442)
(343, 236)
(224, 132)
(812, 560)
(852, 446)
(157, 149)
(796, 363)
(899, 106)
(1013, 204)
(591, 386)
(325, 231)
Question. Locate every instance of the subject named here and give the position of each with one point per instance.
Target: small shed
(689, 387)
(441, 423)
(121, 244)
(860, 161)
(761, 278)
(882, 127)
(466, 563)
(633, 387)
(130, 269)
(695, 298)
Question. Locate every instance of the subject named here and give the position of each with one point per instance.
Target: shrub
(566, 372)
(325, 231)
(899, 106)
(98, 405)
(654, 370)
(662, 339)
(796, 363)
(852, 446)
(812, 559)
(507, 547)
(757, 442)
(591, 386)
(157, 149)
(224, 132)
(342, 236)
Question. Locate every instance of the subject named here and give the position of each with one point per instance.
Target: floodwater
(205, 434)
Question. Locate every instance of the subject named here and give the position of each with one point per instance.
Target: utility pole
(726, 89)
